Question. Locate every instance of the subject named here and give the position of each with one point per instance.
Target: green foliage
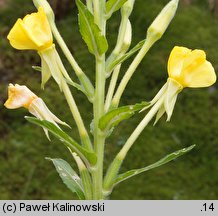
(115, 116)
(90, 32)
(166, 159)
(69, 177)
(113, 5)
(65, 139)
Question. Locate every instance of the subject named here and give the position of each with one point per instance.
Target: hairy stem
(99, 137)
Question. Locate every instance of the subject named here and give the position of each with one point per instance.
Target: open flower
(33, 32)
(190, 68)
(186, 68)
(20, 96)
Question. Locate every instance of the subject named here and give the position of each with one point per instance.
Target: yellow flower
(31, 33)
(21, 96)
(190, 68)
(186, 68)
(34, 33)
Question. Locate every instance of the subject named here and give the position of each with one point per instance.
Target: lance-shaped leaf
(166, 159)
(87, 156)
(69, 176)
(90, 31)
(115, 116)
(124, 57)
(112, 6)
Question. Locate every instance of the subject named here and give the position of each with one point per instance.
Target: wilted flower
(186, 68)
(20, 96)
(34, 33)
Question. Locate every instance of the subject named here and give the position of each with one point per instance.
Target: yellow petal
(176, 59)
(190, 68)
(33, 32)
(19, 39)
(38, 28)
(202, 75)
(19, 96)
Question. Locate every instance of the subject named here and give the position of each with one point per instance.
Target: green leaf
(166, 159)
(90, 32)
(123, 58)
(69, 176)
(112, 6)
(115, 116)
(65, 139)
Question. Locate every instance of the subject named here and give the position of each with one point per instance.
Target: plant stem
(77, 117)
(99, 137)
(80, 74)
(116, 164)
(148, 43)
(111, 88)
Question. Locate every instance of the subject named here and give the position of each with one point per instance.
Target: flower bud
(128, 38)
(127, 8)
(47, 8)
(162, 21)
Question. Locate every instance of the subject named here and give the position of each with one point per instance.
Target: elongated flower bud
(162, 21)
(128, 38)
(47, 8)
(127, 8)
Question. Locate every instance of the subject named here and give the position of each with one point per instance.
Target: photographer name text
(52, 207)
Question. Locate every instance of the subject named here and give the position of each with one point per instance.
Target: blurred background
(24, 172)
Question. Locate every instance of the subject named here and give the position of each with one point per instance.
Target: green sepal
(69, 142)
(115, 116)
(91, 33)
(69, 177)
(122, 177)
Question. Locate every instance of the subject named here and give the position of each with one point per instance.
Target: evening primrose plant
(37, 31)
